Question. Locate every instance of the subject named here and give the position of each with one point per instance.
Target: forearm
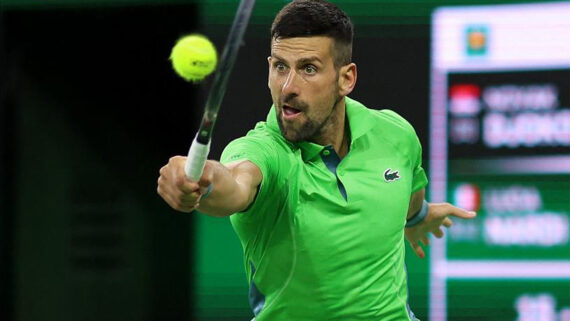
(231, 190)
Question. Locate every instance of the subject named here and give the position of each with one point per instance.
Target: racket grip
(197, 156)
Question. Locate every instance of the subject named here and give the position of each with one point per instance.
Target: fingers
(186, 186)
(178, 200)
(207, 178)
(425, 240)
(177, 173)
(178, 205)
(447, 222)
(437, 232)
(459, 212)
(176, 190)
(418, 249)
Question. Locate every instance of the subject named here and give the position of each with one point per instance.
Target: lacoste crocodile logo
(390, 176)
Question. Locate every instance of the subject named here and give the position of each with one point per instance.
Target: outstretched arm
(233, 187)
(438, 214)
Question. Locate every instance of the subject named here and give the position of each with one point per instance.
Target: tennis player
(322, 193)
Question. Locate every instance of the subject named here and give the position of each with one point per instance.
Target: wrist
(419, 216)
(208, 190)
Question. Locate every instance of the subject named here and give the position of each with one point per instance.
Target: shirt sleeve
(414, 148)
(420, 179)
(260, 152)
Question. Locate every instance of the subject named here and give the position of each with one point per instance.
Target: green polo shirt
(324, 238)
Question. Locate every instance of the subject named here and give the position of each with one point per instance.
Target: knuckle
(187, 197)
(180, 181)
(176, 159)
(177, 206)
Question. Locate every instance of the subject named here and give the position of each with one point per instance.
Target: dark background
(90, 110)
(559, 78)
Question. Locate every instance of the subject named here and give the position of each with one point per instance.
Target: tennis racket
(200, 148)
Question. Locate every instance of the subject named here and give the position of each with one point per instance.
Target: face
(304, 85)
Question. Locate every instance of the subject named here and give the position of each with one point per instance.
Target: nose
(291, 86)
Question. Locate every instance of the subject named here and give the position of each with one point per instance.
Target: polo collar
(360, 121)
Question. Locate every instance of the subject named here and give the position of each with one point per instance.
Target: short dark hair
(306, 18)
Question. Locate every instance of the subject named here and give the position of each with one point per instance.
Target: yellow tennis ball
(194, 57)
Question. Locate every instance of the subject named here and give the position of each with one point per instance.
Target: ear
(269, 70)
(347, 79)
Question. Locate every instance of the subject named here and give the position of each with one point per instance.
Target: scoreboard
(500, 145)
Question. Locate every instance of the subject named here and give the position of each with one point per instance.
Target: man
(323, 193)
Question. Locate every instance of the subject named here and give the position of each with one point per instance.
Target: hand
(175, 188)
(437, 216)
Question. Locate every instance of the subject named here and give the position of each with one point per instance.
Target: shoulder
(382, 126)
(389, 119)
(268, 137)
(259, 141)
(385, 120)
(397, 130)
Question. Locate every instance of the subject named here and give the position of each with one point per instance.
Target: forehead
(301, 47)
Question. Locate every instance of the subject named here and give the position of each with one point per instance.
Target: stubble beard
(310, 129)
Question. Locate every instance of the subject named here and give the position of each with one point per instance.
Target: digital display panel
(524, 217)
(497, 114)
(528, 300)
(500, 145)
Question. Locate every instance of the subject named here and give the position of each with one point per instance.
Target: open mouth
(290, 111)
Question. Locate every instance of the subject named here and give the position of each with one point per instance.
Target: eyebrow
(301, 61)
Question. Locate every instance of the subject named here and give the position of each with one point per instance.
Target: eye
(280, 67)
(310, 69)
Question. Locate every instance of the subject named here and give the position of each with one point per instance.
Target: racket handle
(197, 156)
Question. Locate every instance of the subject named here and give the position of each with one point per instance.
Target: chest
(361, 202)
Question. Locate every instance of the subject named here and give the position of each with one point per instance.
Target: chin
(291, 137)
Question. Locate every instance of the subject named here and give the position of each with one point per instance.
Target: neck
(342, 150)
(336, 131)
